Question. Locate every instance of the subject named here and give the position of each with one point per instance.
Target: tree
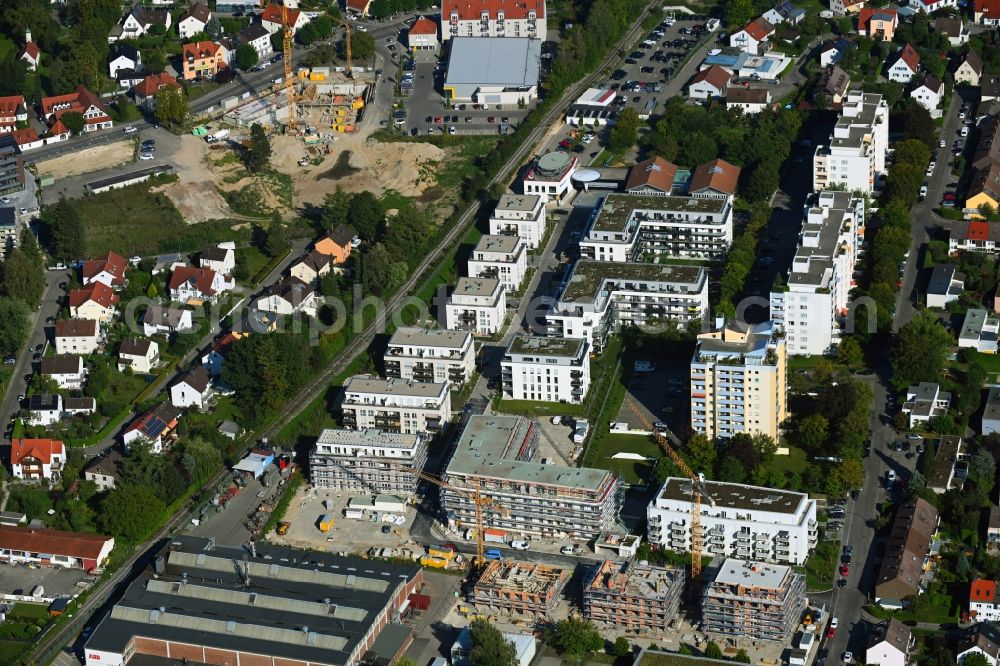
(577, 637)
(22, 278)
(849, 352)
(336, 207)
(362, 46)
(742, 657)
(214, 27)
(919, 351)
(73, 120)
(260, 149)
(171, 105)
(975, 659)
(702, 454)
(625, 132)
(851, 473)
(13, 76)
(130, 512)
(713, 651)
(366, 215)
(278, 40)
(731, 470)
(917, 123)
(739, 12)
(276, 242)
(246, 57)
(15, 325)
(489, 647)
(98, 379)
(621, 647)
(62, 231)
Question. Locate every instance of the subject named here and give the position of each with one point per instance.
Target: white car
(452, 130)
(129, 129)
(566, 550)
(833, 623)
(942, 143)
(4, 200)
(519, 545)
(146, 156)
(848, 658)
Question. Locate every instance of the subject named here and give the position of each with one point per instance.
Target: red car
(437, 120)
(831, 632)
(950, 196)
(845, 570)
(565, 143)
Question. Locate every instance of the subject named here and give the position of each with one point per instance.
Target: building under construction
(633, 596)
(519, 587)
(753, 601)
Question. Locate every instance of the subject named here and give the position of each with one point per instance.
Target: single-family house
(904, 65)
(928, 92)
(931, 6)
(311, 267)
(215, 358)
(953, 29)
(983, 190)
(145, 91)
(80, 405)
(989, 425)
(193, 20)
(197, 284)
(82, 101)
(337, 244)
(653, 177)
(290, 296)
(109, 269)
(890, 644)
(105, 470)
(979, 331)
(970, 69)
(924, 402)
(984, 604)
(203, 60)
(96, 301)
(138, 355)
(946, 285)
(422, 35)
(138, 22)
(166, 263)
(989, 87)
(44, 409)
(834, 84)
(123, 56)
(157, 427)
(973, 235)
(30, 54)
(257, 36)
(271, 18)
(167, 320)
(709, 83)
(715, 179)
(981, 639)
(129, 78)
(753, 37)
(748, 100)
(37, 459)
(357, 7)
(76, 336)
(986, 12)
(784, 12)
(13, 110)
(846, 7)
(832, 51)
(878, 23)
(67, 371)
(220, 258)
(193, 389)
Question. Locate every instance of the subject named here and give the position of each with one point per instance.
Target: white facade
(501, 257)
(925, 401)
(598, 297)
(430, 355)
(855, 156)
(121, 62)
(503, 18)
(72, 337)
(44, 410)
(980, 331)
(546, 369)
(891, 645)
(68, 372)
(221, 258)
(813, 307)
(628, 227)
(901, 72)
(551, 177)
(746, 522)
(192, 390)
(928, 96)
(478, 305)
(370, 461)
(395, 405)
(931, 6)
(520, 215)
(166, 320)
(138, 355)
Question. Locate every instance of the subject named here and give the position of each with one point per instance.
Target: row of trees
(740, 259)
(22, 284)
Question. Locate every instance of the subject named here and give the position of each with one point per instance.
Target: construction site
(515, 588)
(633, 596)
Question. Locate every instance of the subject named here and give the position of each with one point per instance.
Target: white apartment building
(813, 307)
(546, 369)
(478, 305)
(924, 402)
(551, 177)
(501, 257)
(855, 156)
(629, 227)
(520, 215)
(745, 522)
(980, 331)
(738, 381)
(395, 405)
(599, 296)
(430, 355)
(501, 18)
(367, 461)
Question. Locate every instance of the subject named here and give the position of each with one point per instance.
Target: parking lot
(20, 580)
(663, 394)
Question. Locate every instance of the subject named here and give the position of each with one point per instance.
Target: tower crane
(289, 33)
(347, 46)
(699, 492)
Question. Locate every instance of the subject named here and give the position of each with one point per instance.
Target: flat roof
(148, 172)
(468, 286)
(737, 496)
(545, 346)
(616, 209)
(489, 447)
(992, 410)
(522, 202)
(587, 276)
(370, 384)
(497, 243)
(368, 437)
(494, 61)
(430, 337)
(220, 596)
(752, 574)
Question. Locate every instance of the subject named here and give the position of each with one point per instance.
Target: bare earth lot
(88, 161)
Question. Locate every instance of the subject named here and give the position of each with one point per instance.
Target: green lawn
(793, 463)
(821, 567)
(29, 611)
(538, 409)
(123, 386)
(253, 259)
(632, 471)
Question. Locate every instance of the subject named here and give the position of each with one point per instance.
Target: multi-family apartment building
(11, 166)
(745, 522)
(520, 215)
(973, 236)
(980, 331)
(551, 176)
(496, 456)
(499, 18)
(855, 156)
(753, 601)
(907, 554)
(629, 227)
(502, 257)
(430, 355)
(10, 231)
(478, 305)
(367, 461)
(395, 405)
(546, 369)
(812, 307)
(738, 381)
(634, 595)
(598, 297)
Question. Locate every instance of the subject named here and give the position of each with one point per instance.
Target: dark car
(842, 583)
(631, 61)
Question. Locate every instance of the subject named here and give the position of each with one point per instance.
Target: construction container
(358, 103)
(341, 112)
(317, 76)
(326, 522)
(302, 73)
(325, 71)
(354, 514)
(433, 562)
(492, 535)
(441, 551)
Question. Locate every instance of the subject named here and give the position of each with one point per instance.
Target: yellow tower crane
(289, 33)
(347, 45)
(699, 492)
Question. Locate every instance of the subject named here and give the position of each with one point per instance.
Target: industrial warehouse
(488, 70)
(211, 604)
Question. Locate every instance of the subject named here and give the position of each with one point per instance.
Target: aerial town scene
(499, 332)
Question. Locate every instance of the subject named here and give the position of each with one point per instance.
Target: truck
(217, 136)
(647, 111)
(493, 535)
(433, 562)
(326, 522)
(581, 432)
